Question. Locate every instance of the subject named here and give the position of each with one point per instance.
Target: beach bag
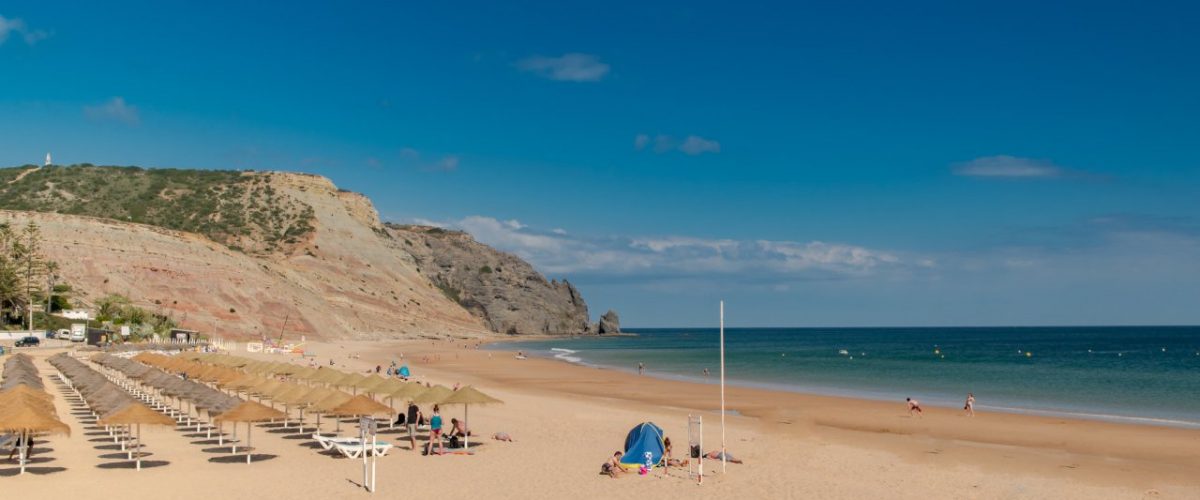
(454, 443)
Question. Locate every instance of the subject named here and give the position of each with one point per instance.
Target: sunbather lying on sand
(716, 455)
(503, 436)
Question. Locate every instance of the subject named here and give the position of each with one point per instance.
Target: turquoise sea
(1137, 374)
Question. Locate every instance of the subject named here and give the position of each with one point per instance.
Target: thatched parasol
(249, 412)
(432, 395)
(468, 396)
(27, 419)
(136, 414)
(361, 405)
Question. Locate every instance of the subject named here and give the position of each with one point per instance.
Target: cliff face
(237, 253)
(506, 292)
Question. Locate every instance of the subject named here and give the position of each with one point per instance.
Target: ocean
(1148, 375)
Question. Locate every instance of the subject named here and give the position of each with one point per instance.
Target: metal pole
(374, 458)
(362, 433)
(139, 446)
(722, 388)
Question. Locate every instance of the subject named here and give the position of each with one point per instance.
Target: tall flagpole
(723, 387)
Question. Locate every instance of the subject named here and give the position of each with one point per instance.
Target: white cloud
(675, 257)
(17, 26)
(1004, 166)
(691, 145)
(115, 109)
(571, 67)
(695, 145)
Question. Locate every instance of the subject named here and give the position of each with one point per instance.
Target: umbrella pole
(129, 432)
(467, 426)
(21, 454)
(249, 450)
(139, 446)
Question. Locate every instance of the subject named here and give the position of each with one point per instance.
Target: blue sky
(869, 164)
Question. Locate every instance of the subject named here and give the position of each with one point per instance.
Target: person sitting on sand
(716, 455)
(913, 406)
(671, 462)
(458, 428)
(612, 468)
(503, 436)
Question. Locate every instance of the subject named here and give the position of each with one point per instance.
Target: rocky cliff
(506, 292)
(240, 253)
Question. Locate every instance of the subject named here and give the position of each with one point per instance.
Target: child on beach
(913, 406)
(612, 468)
(970, 406)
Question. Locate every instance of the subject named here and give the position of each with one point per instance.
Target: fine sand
(568, 419)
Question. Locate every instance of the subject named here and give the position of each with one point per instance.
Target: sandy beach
(568, 419)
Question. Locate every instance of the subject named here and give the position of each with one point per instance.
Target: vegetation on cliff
(239, 209)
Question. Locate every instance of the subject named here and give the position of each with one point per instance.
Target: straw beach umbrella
(249, 412)
(468, 396)
(26, 419)
(432, 395)
(323, 403)
(136, 414)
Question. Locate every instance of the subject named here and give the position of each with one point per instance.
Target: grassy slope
(235, 208)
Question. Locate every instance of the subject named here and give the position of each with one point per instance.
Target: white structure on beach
(75, 314)
(47, 159)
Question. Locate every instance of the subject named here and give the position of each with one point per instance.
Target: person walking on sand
(435, 432)
(641, 368)
(913, 406)
(969, 407)
(412, 419)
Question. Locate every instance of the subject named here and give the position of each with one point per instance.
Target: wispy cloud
(696, 145)
(571, 67)
(115, 109)
(1010, 167)
(17, 26)
(447, 164)
(668, 258)
(692, 145)
(413, 158)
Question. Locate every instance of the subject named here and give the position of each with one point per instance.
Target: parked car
(50, 334)
(28, 342)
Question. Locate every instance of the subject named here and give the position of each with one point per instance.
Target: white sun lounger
(328, 442)
(355, 449)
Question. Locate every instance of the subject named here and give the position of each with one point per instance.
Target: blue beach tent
(644, 446)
